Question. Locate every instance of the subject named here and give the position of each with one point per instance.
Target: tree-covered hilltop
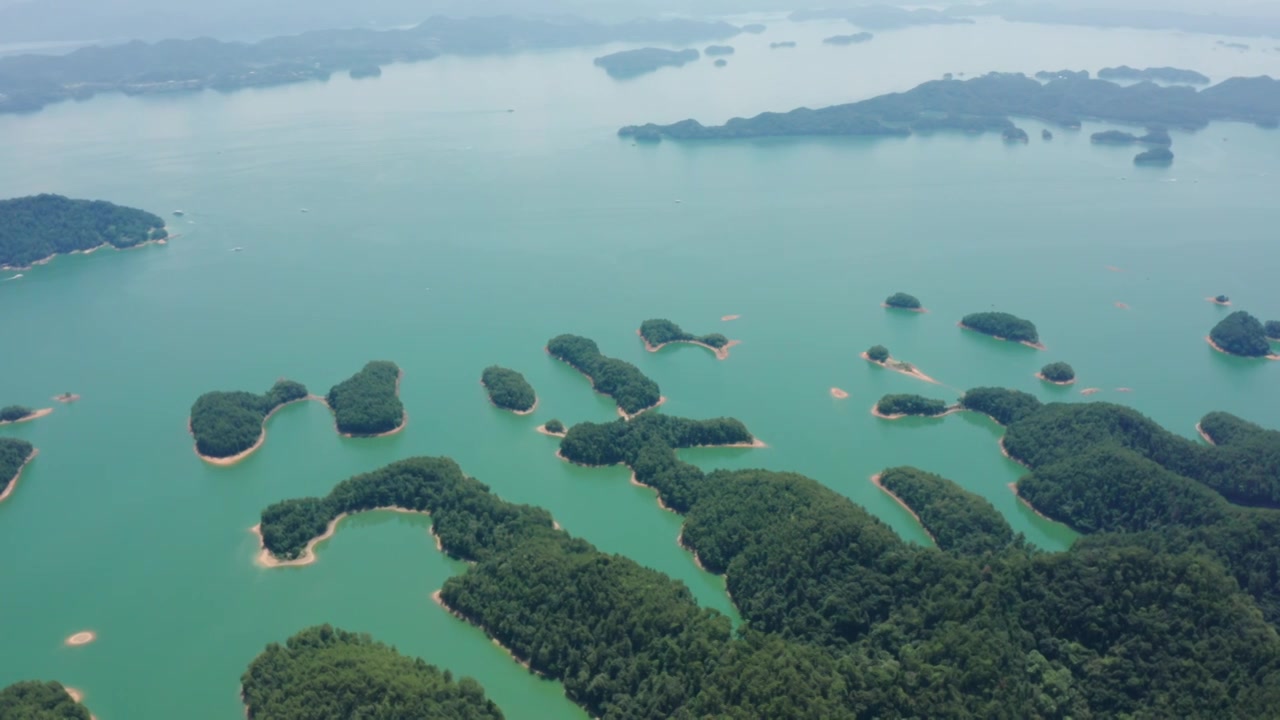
(1272, 330)
(1058, 372)
(1241, 334)
(1003, 406)
(368, 403)
(903, 301)
(13, 455)
(1154, 156)
(630, 388)
(29, 82)
(854, 39)
(228, 423)
(878, 353)
(508, 389)
(986, 103)
(958, 520)
(660, 332)
(35, 700)
(1002, 325)
(630, 63)
(618, 441)
(1160, 74)
(554, 427)
(14, 413)
(1154, 136)
(910, 405)
(325, 672)
(41, 226)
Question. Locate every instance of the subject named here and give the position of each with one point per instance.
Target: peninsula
(367, 404)
(1161, 74)
(229, 426)
(509, 390)
(1003, 326)
(957, 520)
(903, 301)
(854, 39)
(1241, 334)
(33, 230)
(14, 456)
(657, 334)
(631, 389)
(879, 355)
(20, 414)
(1058, 373)
(987, 103)
(631, 63)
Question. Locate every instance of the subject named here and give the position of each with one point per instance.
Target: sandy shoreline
(887, 306)
(1215, 301)
(35, 415)
(839, 394)
(1204, 435)
(914, 372)
(662, 400)
(84, 637)
(536, 400)
(1005, 452)
(875, 480)
(438, 600)
(13, 483)
(262, 437)
(875, 410)
(658, 496)
(89, 251)
(267, 560)
(1090, 391)
(1060, 383)
(1014, 487)
(696, 560)
(1036, 345)
(721, 353)
(1218, 347)
(729, 318)
(543, 429)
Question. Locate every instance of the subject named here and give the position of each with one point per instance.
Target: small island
(1058, 373)
(659, 333)
(367, 404)
(325, 672)
(1003, 326)
(783, 44)
(894, 407)
(1015, 135)
(853, 39)
(229, 426)
(1222, 300)
(1154, 156)
(1045, 134)
(20, 414)
(34, 230)
(631, 63)
(66, 398)
(879, 355)
(721, 62)
(1155, 136)
(509, 390)
(903, 301)
(1241, 334)
(1161, 74)
(14, 456)
(36, 700)
(632, 390)
(554, 428)
(1272, 330)
(713, 50)
(360, 72)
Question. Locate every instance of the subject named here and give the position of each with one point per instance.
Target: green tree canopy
(878, 353)
(226, 424)
(508, 389)
(1241, 334)
(1058, 372)
(903, 300)
(34, 700)
(630, 388)
(1002, 325)
(368, 403)
(34, 228)
(13, 413)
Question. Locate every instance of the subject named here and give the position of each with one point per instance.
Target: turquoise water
(447, 234)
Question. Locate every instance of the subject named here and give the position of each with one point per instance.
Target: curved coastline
(887, 306)
(89, 251)
(875, 410)
(662, 400)
(1204, 435)
(721, 353)
(35, 415)
(84, 637)
(913, 372)
(1036, 345)
(13, 483)
(839, 394)
(1219, 348)
(543, 429)
(875, 480)
(436, 597)
(1013, 486)
(1060, 383)
(308, 556)
(404, 416)
(262, 436)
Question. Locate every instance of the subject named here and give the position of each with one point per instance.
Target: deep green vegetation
(1272, 330)
(41, 226)
(13, 455)
(1160, 74)
(35, 700)
(29, 82)
(986, 104)
(1058, 372)
(630, 388)
(958, 520)
(904, 301)
(508, 389)
(661, 332)
(1241, 334)
(368, 403)
(1004, 406)
(14, 413)
(630, 63)
(324, 672)
(1002, 325)
(910, 405)
(878, 353)
(228, 423)
(554, 426)
(854, 39)
(1154, 156)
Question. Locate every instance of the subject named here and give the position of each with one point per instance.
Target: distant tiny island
(721, 62)
(660, 333)
(509, 390)
(66, 398)
(1015, 135)
(713, 50)
(894, 407)
(229, 426)
(360, 72)
(1058, 373)
(1222, 300)
(632, 390)
(1156, 135)
(904, 301)
(554, 428)
(631, 63)
(1160, 74)
(783, 44)
(34, 230)
(367, 404)
(853, 39)
(1051, 75)
(1003, 326)
(14, 455)
(21, 413)
(1241, 334)
(879, 355)
(1154, 156)
(1046, 134)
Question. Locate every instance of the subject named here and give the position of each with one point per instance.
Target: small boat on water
(236, 249)
(179, 213)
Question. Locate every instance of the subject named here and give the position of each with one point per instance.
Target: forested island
(1240, 334)
(509, 390)
(1003, 326)
(554, 428)
(1160, 74)
(21, 413)
(903, 301)
(29, 82)
(1058, 373)
(853, 39)
(630, 63)
(882, 17)
(325, 672)
(879, 355)
(631, 389)
(14, 455)
(1154, 156)
(367, 404)
(660, 332)
(229, 426)
(893, 407)
(35, 229)
(35, 700)
(1154, 136)
(986, 103)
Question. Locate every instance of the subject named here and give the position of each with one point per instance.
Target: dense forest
(661, 332)
(228, 423)
(910, 405)
(1004, 406)
(37, 227)
(1058, 372)
(630, 388)
(554, 426)
(325, 672)
(878, 353)
(1272, 330)
(958, 520)
(368, 403)
(904, 301)
(630, 63)
(1002, 325)
(14, 413)
(13, 455)
(34, 700)
(1241, 334)
(508, 389)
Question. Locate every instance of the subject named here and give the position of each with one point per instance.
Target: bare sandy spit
(66, 399)
(721, 353)
(1113, 268)
(632, 416)
(875, 410)
(839, 394)
(887, 365)
(83, 637)
(1090, 391)
(1124, 390)
(1122, 306)
(1204, 435)
(1005, 452)
(1036, 345)
(887, 306)
(75, 695)
(875, 480)
(1215, 301)
(13, 484)
(262, 437)
(696, 560)
(1062, 383)
(308, 556)
(543, 429)
(35, 415)
(729, 318)
(1218, 347)
(436, 597)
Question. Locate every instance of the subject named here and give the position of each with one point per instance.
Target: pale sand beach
(839, 394)
(13, 484)
(308, 556)
(875, 480)
(35, 415)
(83, 637)
(1062, 383)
